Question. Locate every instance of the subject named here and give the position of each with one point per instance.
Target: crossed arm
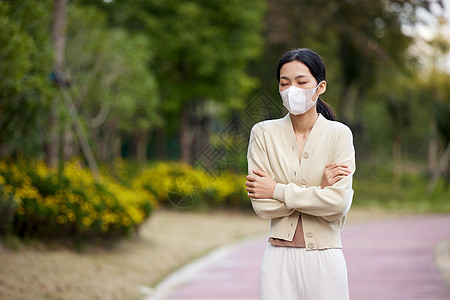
(271, 200)
(262, 186)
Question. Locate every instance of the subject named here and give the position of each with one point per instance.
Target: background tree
(25, 64)
(112, 87)
(202, 49)
(158, 76)
(360, 41)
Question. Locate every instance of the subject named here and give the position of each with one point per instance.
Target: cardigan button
(306, 155)
(310, 245)
(303, 181)
(309, 234)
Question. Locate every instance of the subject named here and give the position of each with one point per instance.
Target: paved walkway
(386, 260)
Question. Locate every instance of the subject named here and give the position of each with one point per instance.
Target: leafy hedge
(40, 201)
(179, 185)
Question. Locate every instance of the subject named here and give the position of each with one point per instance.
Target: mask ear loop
(316, 89)
(319, 84)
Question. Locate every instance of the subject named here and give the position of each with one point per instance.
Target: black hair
(317, 68)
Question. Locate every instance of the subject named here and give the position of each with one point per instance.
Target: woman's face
(296, 73)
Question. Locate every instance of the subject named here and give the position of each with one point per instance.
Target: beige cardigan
(273, 149)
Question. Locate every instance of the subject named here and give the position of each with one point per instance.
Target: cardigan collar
(313, 137)
(288, 127)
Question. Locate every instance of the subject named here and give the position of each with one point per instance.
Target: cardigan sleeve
(257, 159)
(331, 203)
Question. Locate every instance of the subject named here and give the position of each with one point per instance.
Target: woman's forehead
(294, 69)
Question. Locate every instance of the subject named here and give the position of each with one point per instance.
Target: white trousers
(289, 273)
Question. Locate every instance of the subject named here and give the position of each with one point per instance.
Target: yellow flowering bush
(229, 190)
(69, 202)
(181, 186)
(38, 201)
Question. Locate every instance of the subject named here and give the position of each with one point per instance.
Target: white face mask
(298, 101)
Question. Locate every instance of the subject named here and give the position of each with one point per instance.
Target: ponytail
(324, 109)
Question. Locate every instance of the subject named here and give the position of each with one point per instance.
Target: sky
(430, 29)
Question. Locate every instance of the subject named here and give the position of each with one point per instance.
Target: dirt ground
(167, 241)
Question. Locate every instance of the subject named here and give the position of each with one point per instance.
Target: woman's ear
(322, 87)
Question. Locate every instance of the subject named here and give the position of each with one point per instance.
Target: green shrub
(375, 185)
(178, 185)
(48, 203)
(38, 201)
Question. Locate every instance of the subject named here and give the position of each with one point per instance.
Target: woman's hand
(333, 173)
(261, 186)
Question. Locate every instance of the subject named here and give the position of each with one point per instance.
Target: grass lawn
(167, 241)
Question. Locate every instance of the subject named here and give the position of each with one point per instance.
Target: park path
(391, 259)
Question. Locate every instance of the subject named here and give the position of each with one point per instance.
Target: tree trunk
(140, 143)
(397, 160)
(194, 131)
(186, 136)
(58, 34)
(201, 135)
(442, 168)
(116, 143)
(161, 143)
(70, 148)
(433, 150)
(51, 148)
(343, 105)
(58, 39)
(84, 143)
(351, 112)
(110, 142)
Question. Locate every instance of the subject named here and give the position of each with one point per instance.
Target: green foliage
(374, 185)
(213, 42)
(370, 66)
(356, 39)
(25, 63)
(179, 186)
(439, 89)
(111, 80)
(442, 113)
(134, 65)
(201, 48)
(41, 202)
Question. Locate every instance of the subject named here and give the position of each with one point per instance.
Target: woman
(301, 169)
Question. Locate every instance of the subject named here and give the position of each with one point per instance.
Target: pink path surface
(386, 260)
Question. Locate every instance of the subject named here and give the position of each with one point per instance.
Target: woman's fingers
(335, 170)
(341, 171)
(334, 166)
(333, 173)
(250, 187)
(259, 172)
(337, 176)
(250, 178)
